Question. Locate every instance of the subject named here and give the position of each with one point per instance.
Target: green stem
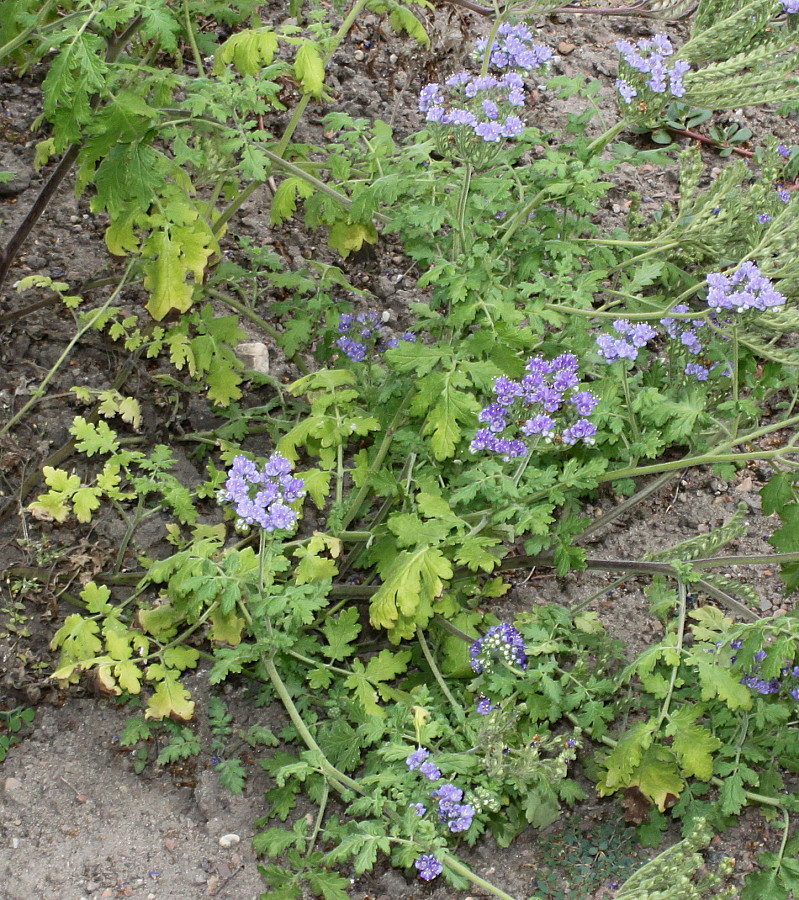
(599, 144)
(459, 868)
(681, 607)
(631, 418)
(87, 325)
(338, 779)
(319, 818)
(520, 217)
(460, 213)
(382, 451)
(457, 709)
(198, 60)
(614, 313)
(687, 462)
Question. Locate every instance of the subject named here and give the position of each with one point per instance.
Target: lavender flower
(470, 112)
(419, 809)
(790, 6)
(484, 706)
(781, 148)
(430, 771)
(763, 218)
(742, 290)
(261, 497)
(645, 69)
(784, 195)
(631, 338)
(428, 867)
(417, 758)
(548, 390)
(513, 48)
(501, 642)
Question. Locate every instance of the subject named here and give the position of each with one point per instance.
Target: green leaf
(411, 582)
(763, 886)
(732, 795)
(309, 69)
(231, 775)
(340, 633)
(249, 51)
(777, 492)
(330, 885)
(91, 439)
(275, 841)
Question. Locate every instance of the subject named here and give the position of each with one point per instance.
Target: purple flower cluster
(513, 48)
(363, 333)
(546, 389)
(428, 867)
(479, 106)
(418, 760)
(689, 334)
(455, 815)
(742, 290)
(631, 337)
(648, 69)
(484, 706)
(789, 673)
(501, 642)
(790, 6)
(261, 497)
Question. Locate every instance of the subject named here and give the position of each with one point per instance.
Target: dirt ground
(75, 820)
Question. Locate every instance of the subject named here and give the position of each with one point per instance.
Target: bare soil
(75, 820)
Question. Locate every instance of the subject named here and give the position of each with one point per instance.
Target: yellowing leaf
(170, 700)
(657, 777)
(128, 676)
(226, 628)
(159, 621)
(693, 744)
(96, 597)
(165, 277)
(349, 238)
(181, 658)
(130, 411)
(84, 501)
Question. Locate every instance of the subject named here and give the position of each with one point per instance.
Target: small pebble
(358, 55)
(565, 48)
(229, 840)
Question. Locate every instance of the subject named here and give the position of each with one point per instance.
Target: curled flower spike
(364, 334)
(501, 642)
(261, 497)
